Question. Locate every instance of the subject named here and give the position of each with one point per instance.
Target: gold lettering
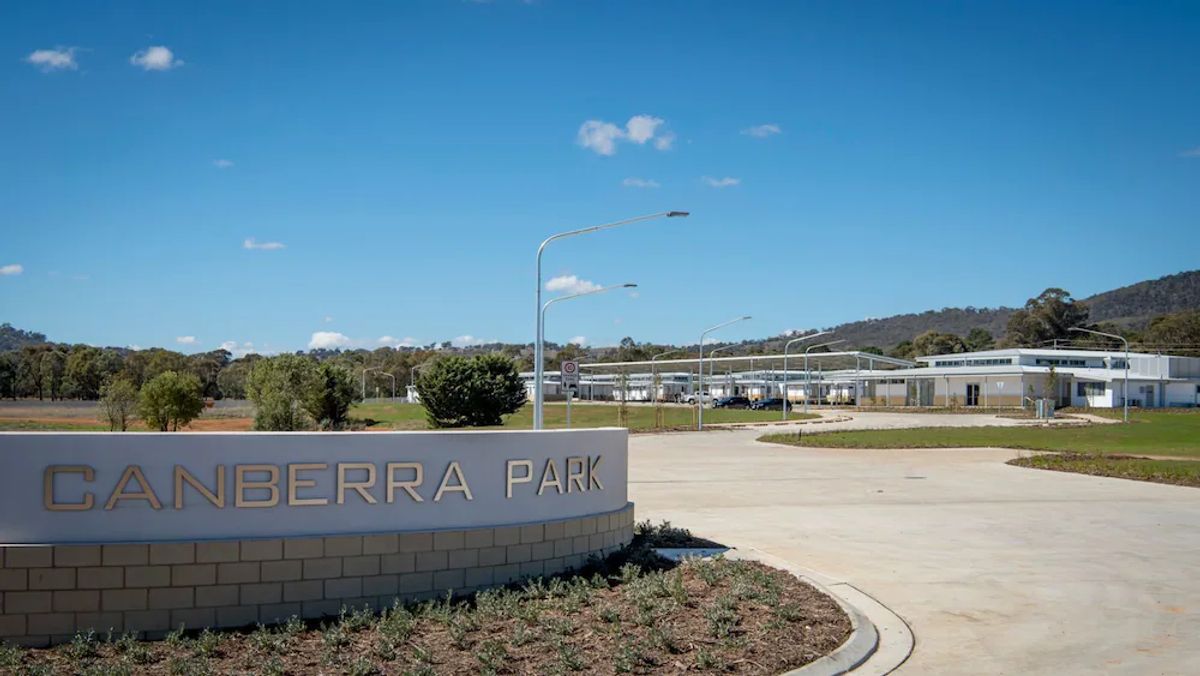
(408, 486)
(446, 487)
(575, 476)
(359, 486)
(594, 480)
(146, 493)
(551, 469)
(241, 485)
(514, 479)
(182, 475)
(48, 500)
(295, 482)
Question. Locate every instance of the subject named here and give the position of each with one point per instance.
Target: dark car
(769, 404)
(732, 402)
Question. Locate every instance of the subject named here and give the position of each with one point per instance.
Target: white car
(694, 397)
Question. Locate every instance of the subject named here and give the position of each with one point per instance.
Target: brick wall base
(50, 592)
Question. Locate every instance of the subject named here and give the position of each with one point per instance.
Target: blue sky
(841, 161)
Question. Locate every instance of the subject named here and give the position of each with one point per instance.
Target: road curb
(879, 641)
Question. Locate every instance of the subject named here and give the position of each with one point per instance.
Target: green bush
(118, 401)
(291, 392)
(475, 392)
(170, 400)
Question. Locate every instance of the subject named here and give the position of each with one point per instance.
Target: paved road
(998, 569)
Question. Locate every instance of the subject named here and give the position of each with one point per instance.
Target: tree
(902, 350)
(207, 366)
(231, 381)
(470, 392)
(170, 400)
(10, 365)
(118, 400)
(871, 349)
(278, 387)
(979, 339)
(1177, 333)
(53, 365)
(85, 373)
(329, 397)
(933, 343)
(1048, 317)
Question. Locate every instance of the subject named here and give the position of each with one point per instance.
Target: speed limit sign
(570, 374)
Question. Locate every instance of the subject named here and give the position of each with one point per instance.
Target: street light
(538, 366)
(385, 373)
(654, 369)
(364, 380)
(542, 322)
(807, 375)
(1125, 384)
(785, 368)
(700, 417)
(710, 367)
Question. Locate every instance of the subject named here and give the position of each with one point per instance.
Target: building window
(1088, 389)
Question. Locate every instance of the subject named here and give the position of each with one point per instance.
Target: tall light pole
(654, 368)
(700, 418)
(786, 346)
(364, 380)
(710, 367)
(807, 375)
(538, 367)
(1125, 384)
(385, 373)
(542, 322)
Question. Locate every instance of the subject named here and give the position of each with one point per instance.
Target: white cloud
(251, 243)
(762, 130)
(641, 128)
(570, 284)
(602, 137)
(223, 164)
(634, 182)
(238, 351)
(328, 340)
(721, 182)
(328, 319)
(1191, 152)
(157, 57)
(388, 341)
(578, 340)
(466, 341)
(11, 269)
(186, 340)
(49, 60)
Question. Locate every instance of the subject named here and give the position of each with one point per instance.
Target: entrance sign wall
(142, 532)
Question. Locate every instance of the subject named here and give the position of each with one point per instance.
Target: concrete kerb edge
(863, 643)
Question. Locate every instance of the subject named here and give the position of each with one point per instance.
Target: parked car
(732, 402)
(769, 404)
(693, 397)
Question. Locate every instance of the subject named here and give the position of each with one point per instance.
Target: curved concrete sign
(154, 487)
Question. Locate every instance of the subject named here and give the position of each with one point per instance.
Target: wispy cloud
(467, 341)
(578, 340)
(721, 182)
(223, 164)
(570, 284)
(11, 269)
(251, 243)
(1191, 152)
(762, 130)
(156, 57)
(328, 319)
(186, 340)
(388, 341)
(634, 182)
(601, 137)
(49, 60)
(237, 349)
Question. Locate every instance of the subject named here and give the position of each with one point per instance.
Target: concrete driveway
(997, 569)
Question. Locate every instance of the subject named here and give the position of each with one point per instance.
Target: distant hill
(1132, 305)
(15, 339)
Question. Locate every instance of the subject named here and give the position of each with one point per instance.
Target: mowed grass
(641, 417)
(1167, 433)
(1179, 472)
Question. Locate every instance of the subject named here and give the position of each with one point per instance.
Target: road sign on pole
(570, 375)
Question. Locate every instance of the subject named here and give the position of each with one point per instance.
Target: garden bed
(632, 613)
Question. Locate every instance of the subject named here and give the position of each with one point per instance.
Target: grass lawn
(1165, 433)
(641, 417)
(1179, 472)
(632, 613)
